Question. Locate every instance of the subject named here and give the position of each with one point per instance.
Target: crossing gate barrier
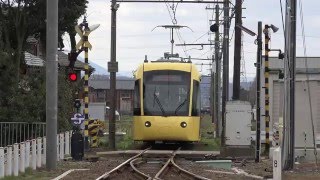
(95, 127)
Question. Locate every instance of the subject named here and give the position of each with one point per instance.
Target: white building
(307, 76)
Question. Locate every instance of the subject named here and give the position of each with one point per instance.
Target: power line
(282, 19)
(308, 79)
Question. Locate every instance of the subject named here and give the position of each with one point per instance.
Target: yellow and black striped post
(85, 45)
(266, 86)
(86, 79)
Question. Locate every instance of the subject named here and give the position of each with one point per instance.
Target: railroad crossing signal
(73, 76)
(83, 30)
(85, 33)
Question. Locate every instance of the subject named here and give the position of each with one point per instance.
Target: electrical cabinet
(238, 118)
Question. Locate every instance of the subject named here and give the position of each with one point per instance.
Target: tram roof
(167, 65)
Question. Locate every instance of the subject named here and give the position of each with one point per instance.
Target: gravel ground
(264, 169)
(303, 171)
(207, 171)
(96, 168)
(151, 168)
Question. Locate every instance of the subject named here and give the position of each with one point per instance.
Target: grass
(30, 175)
(208, 140)
(125, 142)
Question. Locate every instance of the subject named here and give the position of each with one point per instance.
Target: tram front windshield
(166, 93)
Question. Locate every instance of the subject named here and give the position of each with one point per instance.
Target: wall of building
(303, 112)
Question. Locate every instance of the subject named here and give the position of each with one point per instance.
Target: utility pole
(113, 69)
(51, 83)
(292, 74)
(213, 93)
(258, 77)
(225, 49)
(218, 75)
(237, 50)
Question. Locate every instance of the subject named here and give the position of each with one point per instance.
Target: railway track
(138, 167)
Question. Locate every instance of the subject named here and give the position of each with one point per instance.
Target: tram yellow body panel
(166, 95)
(166, 128)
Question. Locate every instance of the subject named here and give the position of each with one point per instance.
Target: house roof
(64, 61)
(32, 60)
(123, 84)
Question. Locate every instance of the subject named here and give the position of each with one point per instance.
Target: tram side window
(195, 99)
(137, 104)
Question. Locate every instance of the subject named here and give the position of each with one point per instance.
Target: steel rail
(107, 174)
(164, 167)
(171, 161)
(143, 175)
(187, 172)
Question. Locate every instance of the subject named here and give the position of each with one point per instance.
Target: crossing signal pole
(83, 31)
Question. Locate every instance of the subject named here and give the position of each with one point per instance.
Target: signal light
(73, 77)
(77, 104)
(214, 28)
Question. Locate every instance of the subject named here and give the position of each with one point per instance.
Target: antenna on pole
(171, 27)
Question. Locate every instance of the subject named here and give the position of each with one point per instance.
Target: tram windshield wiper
(155, 97)
(180, 105)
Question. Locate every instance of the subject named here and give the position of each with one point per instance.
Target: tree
(23, 95)
(74, 9)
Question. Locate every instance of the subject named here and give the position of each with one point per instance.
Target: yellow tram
(167, 102)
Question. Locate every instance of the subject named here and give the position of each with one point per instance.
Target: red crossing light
(73, 76)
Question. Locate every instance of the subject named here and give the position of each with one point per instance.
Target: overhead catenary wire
(284, 35)
(174, 21)
(308, 80)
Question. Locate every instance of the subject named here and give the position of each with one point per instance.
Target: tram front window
(166, 93)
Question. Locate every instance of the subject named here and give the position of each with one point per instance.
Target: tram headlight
(183, 124)
(147, 123)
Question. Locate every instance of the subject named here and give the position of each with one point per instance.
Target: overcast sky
(135, 37)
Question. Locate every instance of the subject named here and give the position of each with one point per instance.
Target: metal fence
(16, 132)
